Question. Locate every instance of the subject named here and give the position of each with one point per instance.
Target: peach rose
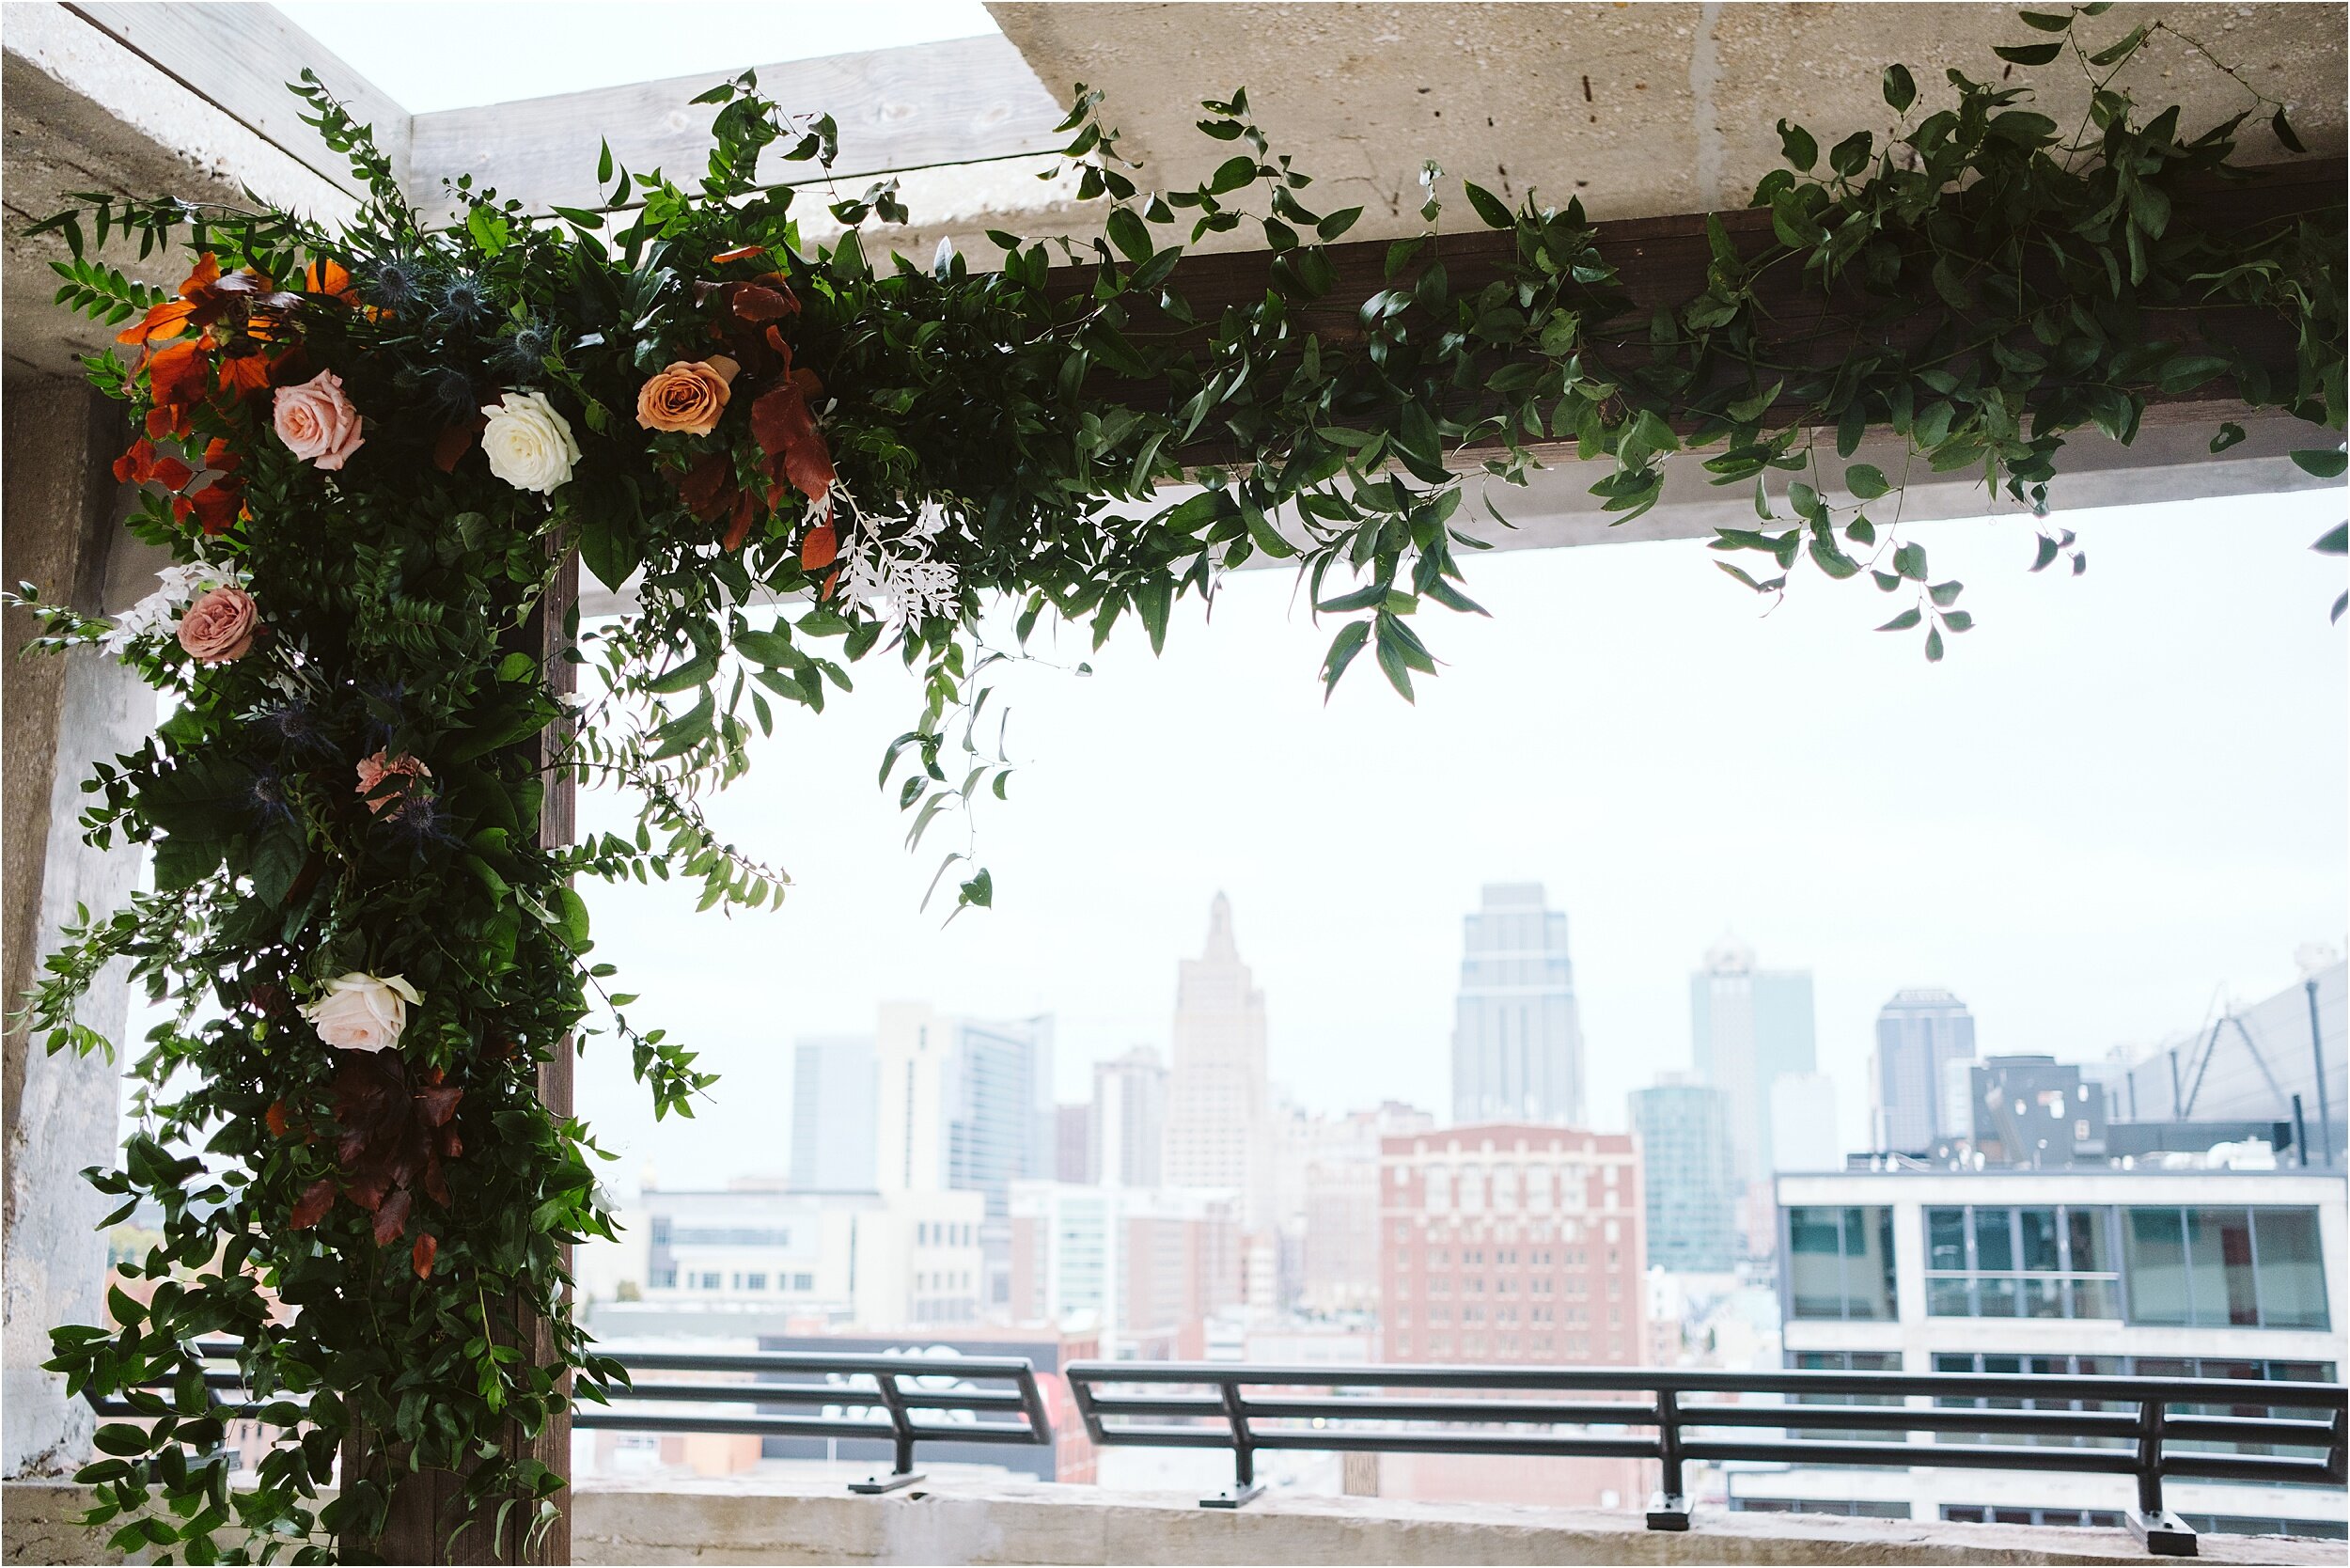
(317, 422)
(220, 626)
(374, 770)
(688, 396)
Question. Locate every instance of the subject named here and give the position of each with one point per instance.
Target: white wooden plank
(963, 100)
(239, 57)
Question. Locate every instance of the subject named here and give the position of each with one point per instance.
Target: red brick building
(1512, 1242)
(1509, 1244)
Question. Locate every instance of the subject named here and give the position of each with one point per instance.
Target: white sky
(431, 55)
(2120, 796)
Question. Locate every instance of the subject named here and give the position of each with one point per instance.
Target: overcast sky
(2122, 796)
(513, 49)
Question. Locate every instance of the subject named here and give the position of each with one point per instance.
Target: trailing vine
(370, 448)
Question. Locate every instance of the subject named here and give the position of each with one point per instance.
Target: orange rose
(688, 396)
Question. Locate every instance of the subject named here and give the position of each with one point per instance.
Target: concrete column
(58, 1114)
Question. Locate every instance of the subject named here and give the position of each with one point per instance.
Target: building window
(711, 1281)
(2244, 1268)
(1840, 1264)
(2027, 1263)
(803, 1281)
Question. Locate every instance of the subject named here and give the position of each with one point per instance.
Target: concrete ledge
(1005, 1523)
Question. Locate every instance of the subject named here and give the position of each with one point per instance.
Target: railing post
(1669, 1508)
(1244, 1483)
(2162, 1532)
(902, 1428)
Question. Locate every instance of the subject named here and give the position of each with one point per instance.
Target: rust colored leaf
(244, 375)
(739, 525)
(136, 463)
(743, 253)
(316, 1200)
(420, 1257)
(170, 473)
(161, 323)
(820, 547)
(756, 303)
(180, 373)
(276, 1118)
(455, 441)
(391, 1218)
(218, 456)
(784, 428)
(217, 506)
(706, 488)
(436, 1181)
(439, 1103)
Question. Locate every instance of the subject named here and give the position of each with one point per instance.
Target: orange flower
(688, 396)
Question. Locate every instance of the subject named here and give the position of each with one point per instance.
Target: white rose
(363, 1013)
(529, 444)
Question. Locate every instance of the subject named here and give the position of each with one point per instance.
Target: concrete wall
(997, 1523)
(56, 1113)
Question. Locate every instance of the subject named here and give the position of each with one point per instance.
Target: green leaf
(1909, 560)
(2334, 540)
(1902, 622)
(1901, 89)
(2283, 128)
(2230, 433)
(2046, 22)
(2323, 463)
(1796, 146)
(2028, 54)
(1489, 206)
(1866, 481)
(1129, 233)
(2122, 49)
(1232, 174)
(1348, 643)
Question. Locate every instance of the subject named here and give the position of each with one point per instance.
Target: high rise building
(1684, 1150)
(1510, 1242)
(1144, 1267)
(1519, 1243)
(1339, 1217)
(1129, 1122)
(1920, 1032)
(2172, 1271)
(1072, 1143)
(833, 1079)
(1517, 1041)
(1217, 1110)
(964, 1106)
(1747, 1025)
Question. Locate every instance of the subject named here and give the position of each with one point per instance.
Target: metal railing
(903, 1400)
(2079, 1424)
(1680, 1417)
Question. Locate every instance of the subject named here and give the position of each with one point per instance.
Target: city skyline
(2155, 903)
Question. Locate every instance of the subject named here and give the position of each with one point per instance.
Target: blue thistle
(464, 302)
(394, 284)
(422, 822)
(451, 392)
(522, 351)
(267, 799)
(297, 727)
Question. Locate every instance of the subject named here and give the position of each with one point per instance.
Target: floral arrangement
(372, 452)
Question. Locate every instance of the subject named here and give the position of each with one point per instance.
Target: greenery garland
(367, 448)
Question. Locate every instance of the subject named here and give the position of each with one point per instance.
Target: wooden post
(424, 1524)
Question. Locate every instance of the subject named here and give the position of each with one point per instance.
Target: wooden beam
(961, 102)
(240, 57)
(1663, 261)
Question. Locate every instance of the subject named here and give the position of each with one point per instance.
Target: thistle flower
(393, 284)
(523, 350)
(297, 727)
(464, 301)
(421, 823)
(451, 393)
(267, 799)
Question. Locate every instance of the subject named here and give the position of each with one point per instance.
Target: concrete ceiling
(1641, 110)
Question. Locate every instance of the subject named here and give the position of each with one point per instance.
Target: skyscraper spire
(1221, 946)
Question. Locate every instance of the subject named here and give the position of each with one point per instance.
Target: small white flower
(363, 1013)
(529, 444)
(160, 611)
